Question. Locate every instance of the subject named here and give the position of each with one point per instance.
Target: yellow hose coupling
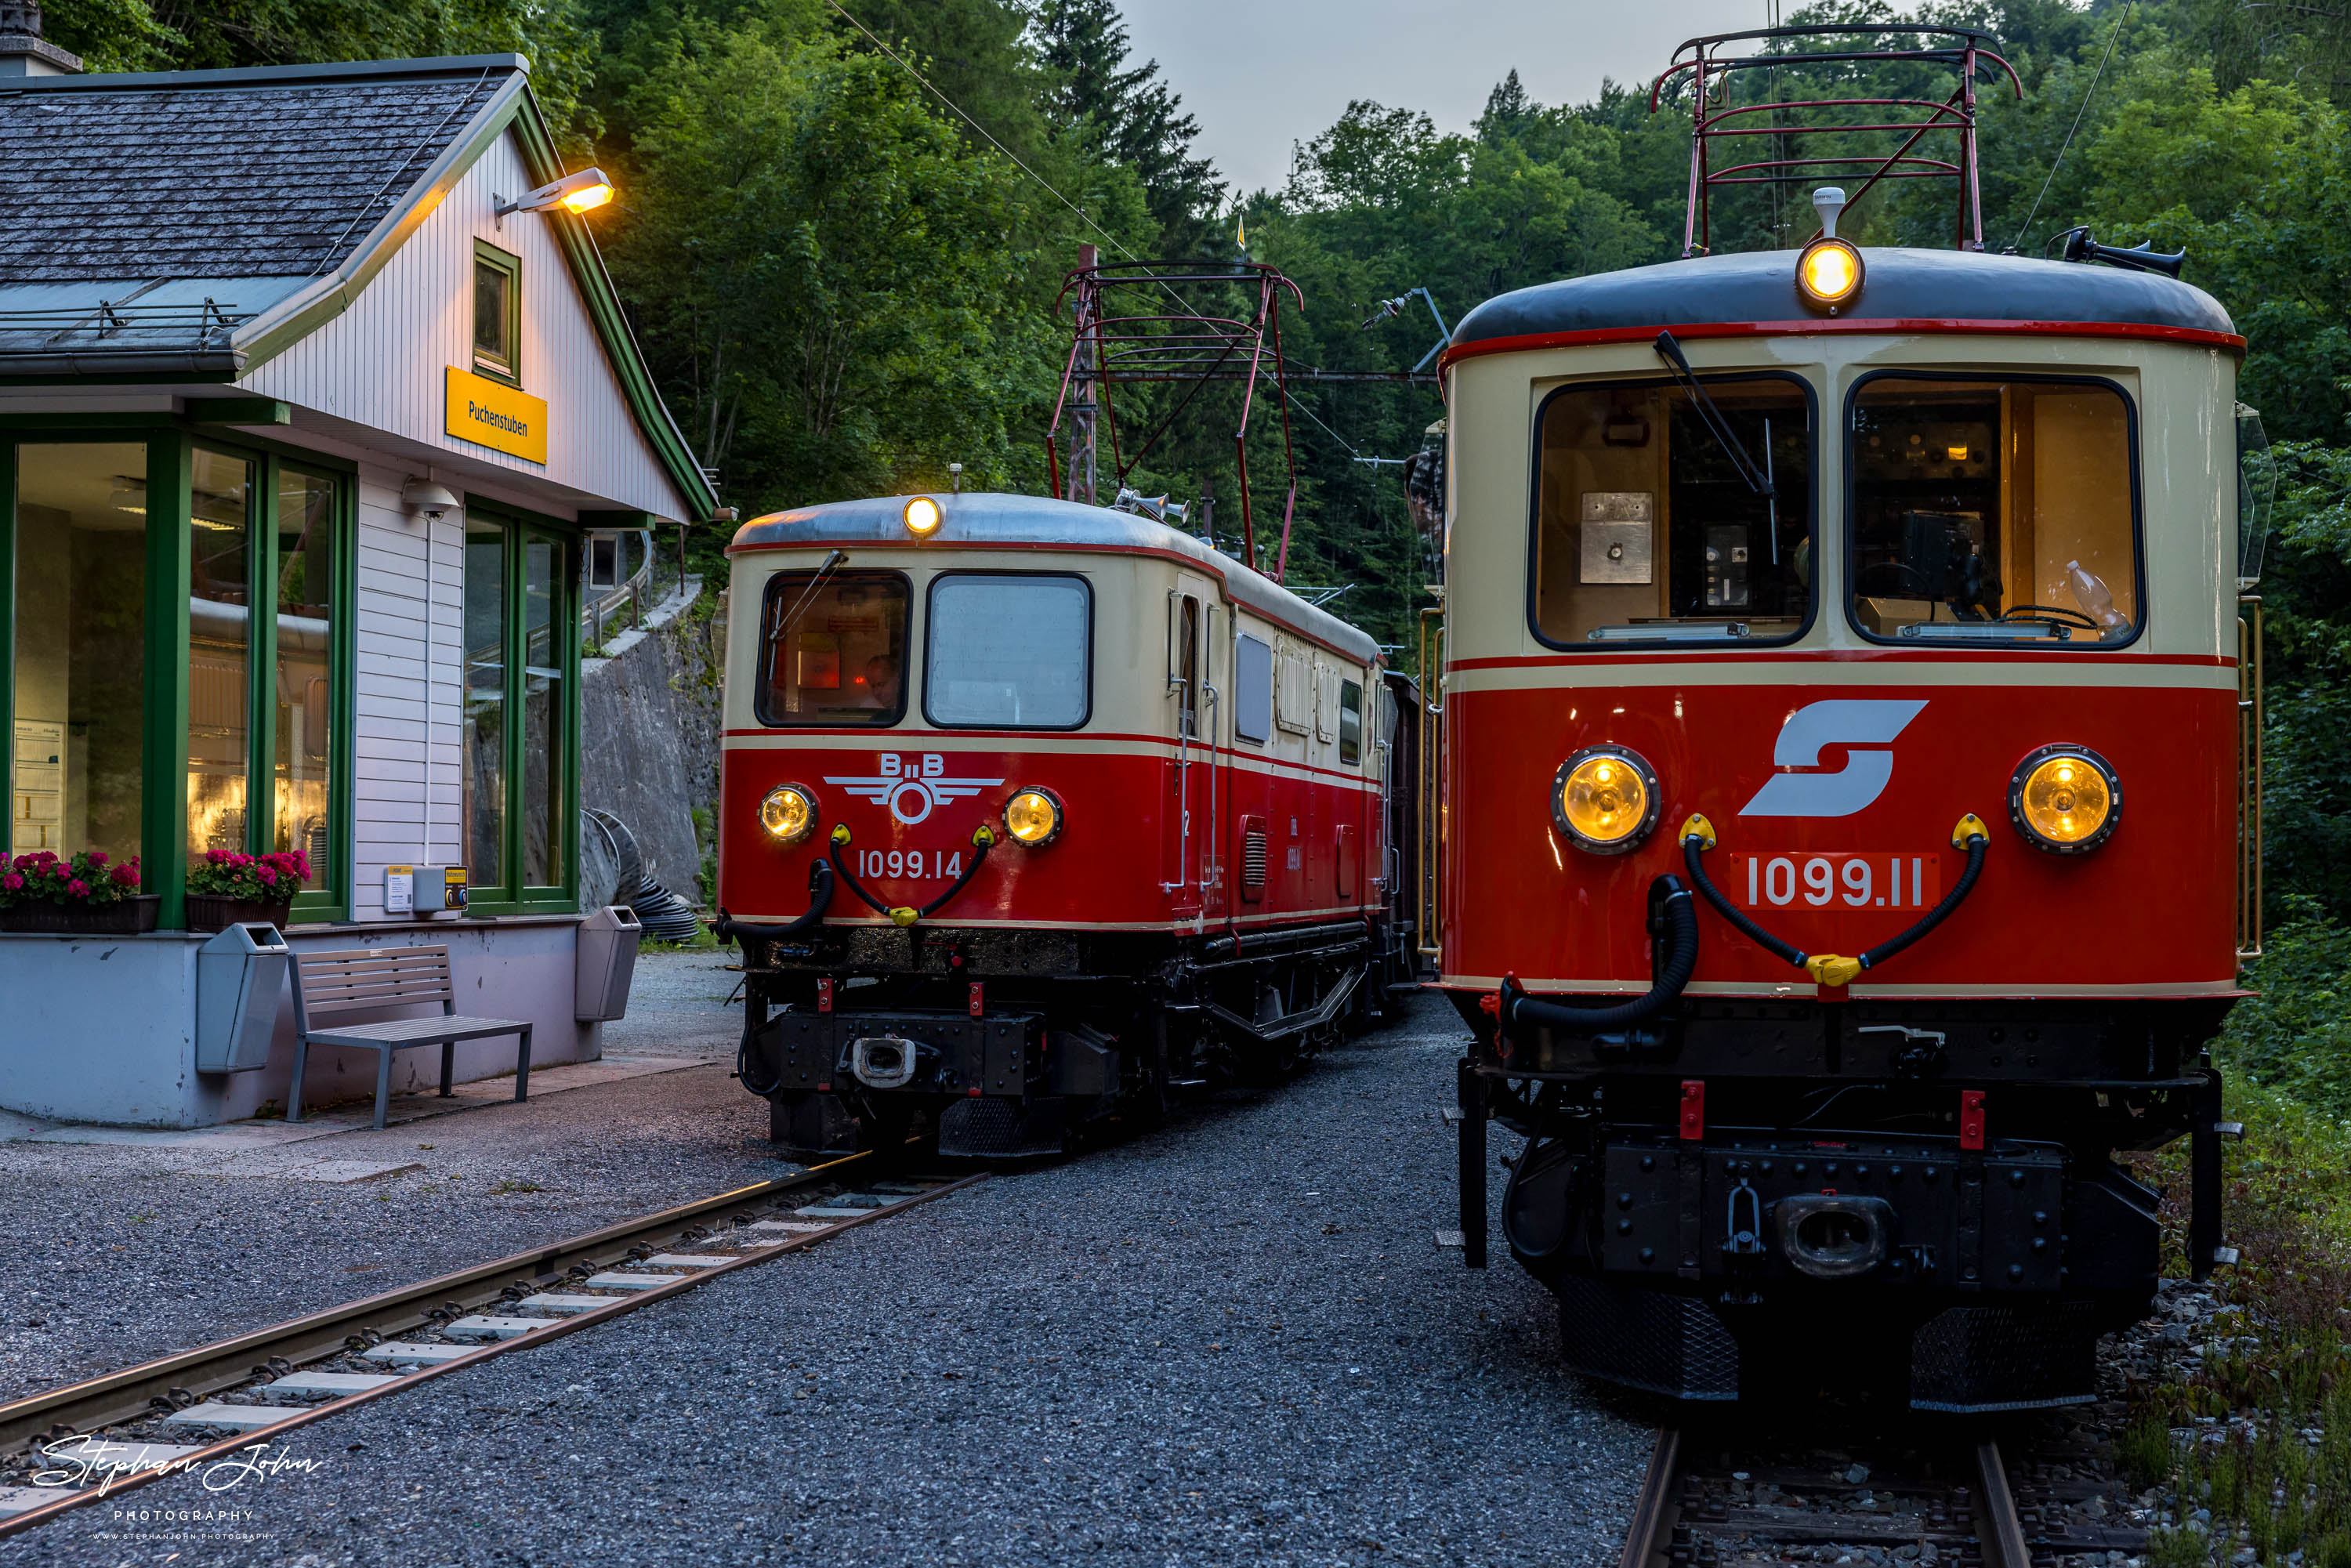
(841, 833)
(1698, 828)
(983, 836)
(1970, 827)
(1830, 969)
(902, 915)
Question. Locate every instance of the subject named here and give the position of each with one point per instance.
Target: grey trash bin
(608, 960)
(240, 974)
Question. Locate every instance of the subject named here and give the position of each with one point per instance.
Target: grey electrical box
(1619, 530)
(239, 976)
(607, 962)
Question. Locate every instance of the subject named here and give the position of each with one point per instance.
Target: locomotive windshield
(833, 649)
(1993, 511)
(1009, 651)
(1654, 524)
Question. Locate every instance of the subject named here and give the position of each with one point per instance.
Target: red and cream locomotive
(1810, 618)
(1036, 811)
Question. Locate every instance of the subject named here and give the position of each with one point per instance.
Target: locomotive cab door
(1188, 820)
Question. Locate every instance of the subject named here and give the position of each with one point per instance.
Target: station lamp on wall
(575, 194)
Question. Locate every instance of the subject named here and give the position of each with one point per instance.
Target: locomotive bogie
(1054, 757)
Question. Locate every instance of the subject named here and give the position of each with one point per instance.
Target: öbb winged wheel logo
(1866, 727)
(912, 787)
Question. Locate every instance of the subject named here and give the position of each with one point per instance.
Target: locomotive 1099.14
(1034, 813)
(1845, 857)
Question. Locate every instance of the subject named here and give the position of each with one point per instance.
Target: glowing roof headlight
(924, 516)
(1033, 817)
(788, 813)
(1605, 798)
(1828, 272)
(2064, 799)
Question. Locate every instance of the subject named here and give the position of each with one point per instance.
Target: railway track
(70, 1447)
(1712, 1499)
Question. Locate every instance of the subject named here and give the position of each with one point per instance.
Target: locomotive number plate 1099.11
(1835, 880)
(910, 865)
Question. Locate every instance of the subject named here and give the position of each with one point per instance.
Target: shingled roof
(187, 226)
(194, 176)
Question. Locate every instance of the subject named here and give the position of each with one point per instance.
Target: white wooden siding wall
(381, 363)
(410, 693)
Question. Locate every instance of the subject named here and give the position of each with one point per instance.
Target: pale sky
(1262, 74)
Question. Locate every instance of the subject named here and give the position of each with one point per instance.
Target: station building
(303, 422)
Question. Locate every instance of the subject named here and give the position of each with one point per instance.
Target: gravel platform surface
(117, 1255)
(1233, 1341)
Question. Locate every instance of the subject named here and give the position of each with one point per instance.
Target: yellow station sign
(494, 415)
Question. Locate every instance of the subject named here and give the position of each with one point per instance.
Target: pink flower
(78, 888)
(98, 857)
(12, 882)
(124, 875)
(268, 875)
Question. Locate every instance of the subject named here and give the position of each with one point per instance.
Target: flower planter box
(211, 911)
(130, 916)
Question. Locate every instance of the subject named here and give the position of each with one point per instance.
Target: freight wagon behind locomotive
(1035, 811)
(1811, 616)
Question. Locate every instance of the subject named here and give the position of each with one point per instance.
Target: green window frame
(170, 553)
(532, 679)
(507, 365)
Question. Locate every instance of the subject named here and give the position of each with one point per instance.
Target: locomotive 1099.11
(1845, 856)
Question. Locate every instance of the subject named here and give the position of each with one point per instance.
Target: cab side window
(1252, 689)
(1351, 723)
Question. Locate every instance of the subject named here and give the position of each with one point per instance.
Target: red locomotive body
(1843, 843)
(1033, 812)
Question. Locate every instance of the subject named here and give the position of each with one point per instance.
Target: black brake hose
(748, 931)
(1828, 968)
(1681, 962)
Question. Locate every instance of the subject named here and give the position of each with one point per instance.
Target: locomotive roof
(990, 517)
(1900, 285)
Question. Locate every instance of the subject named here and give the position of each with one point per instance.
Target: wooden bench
(372, 979)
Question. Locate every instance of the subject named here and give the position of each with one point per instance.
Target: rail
(1680, 1511)
(180, 1381)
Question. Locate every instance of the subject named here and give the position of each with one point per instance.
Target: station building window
(1009, 651)
(125, 584)
(1993, 510)
(833, 649)
(519, 740)
(78, 709)
(498, 313)
(1661, 519)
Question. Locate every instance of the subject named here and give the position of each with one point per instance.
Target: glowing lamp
(1604, 800)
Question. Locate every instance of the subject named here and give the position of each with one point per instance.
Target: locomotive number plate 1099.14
(910, 865)
(1835, 880)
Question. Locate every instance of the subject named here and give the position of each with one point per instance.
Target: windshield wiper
(1761, 484)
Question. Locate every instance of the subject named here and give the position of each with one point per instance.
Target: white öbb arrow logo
(912, 787)
(1817, 726)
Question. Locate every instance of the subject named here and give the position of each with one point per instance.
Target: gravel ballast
(1231, 1341)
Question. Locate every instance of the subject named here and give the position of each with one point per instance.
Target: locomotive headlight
(2064, 799)
(1033, 817)
(787, 813)
(1605, 800)
(924, 516)
(1829, 272)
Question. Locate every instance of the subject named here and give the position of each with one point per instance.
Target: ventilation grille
(1253, 858)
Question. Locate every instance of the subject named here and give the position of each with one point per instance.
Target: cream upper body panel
(2181, 395)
